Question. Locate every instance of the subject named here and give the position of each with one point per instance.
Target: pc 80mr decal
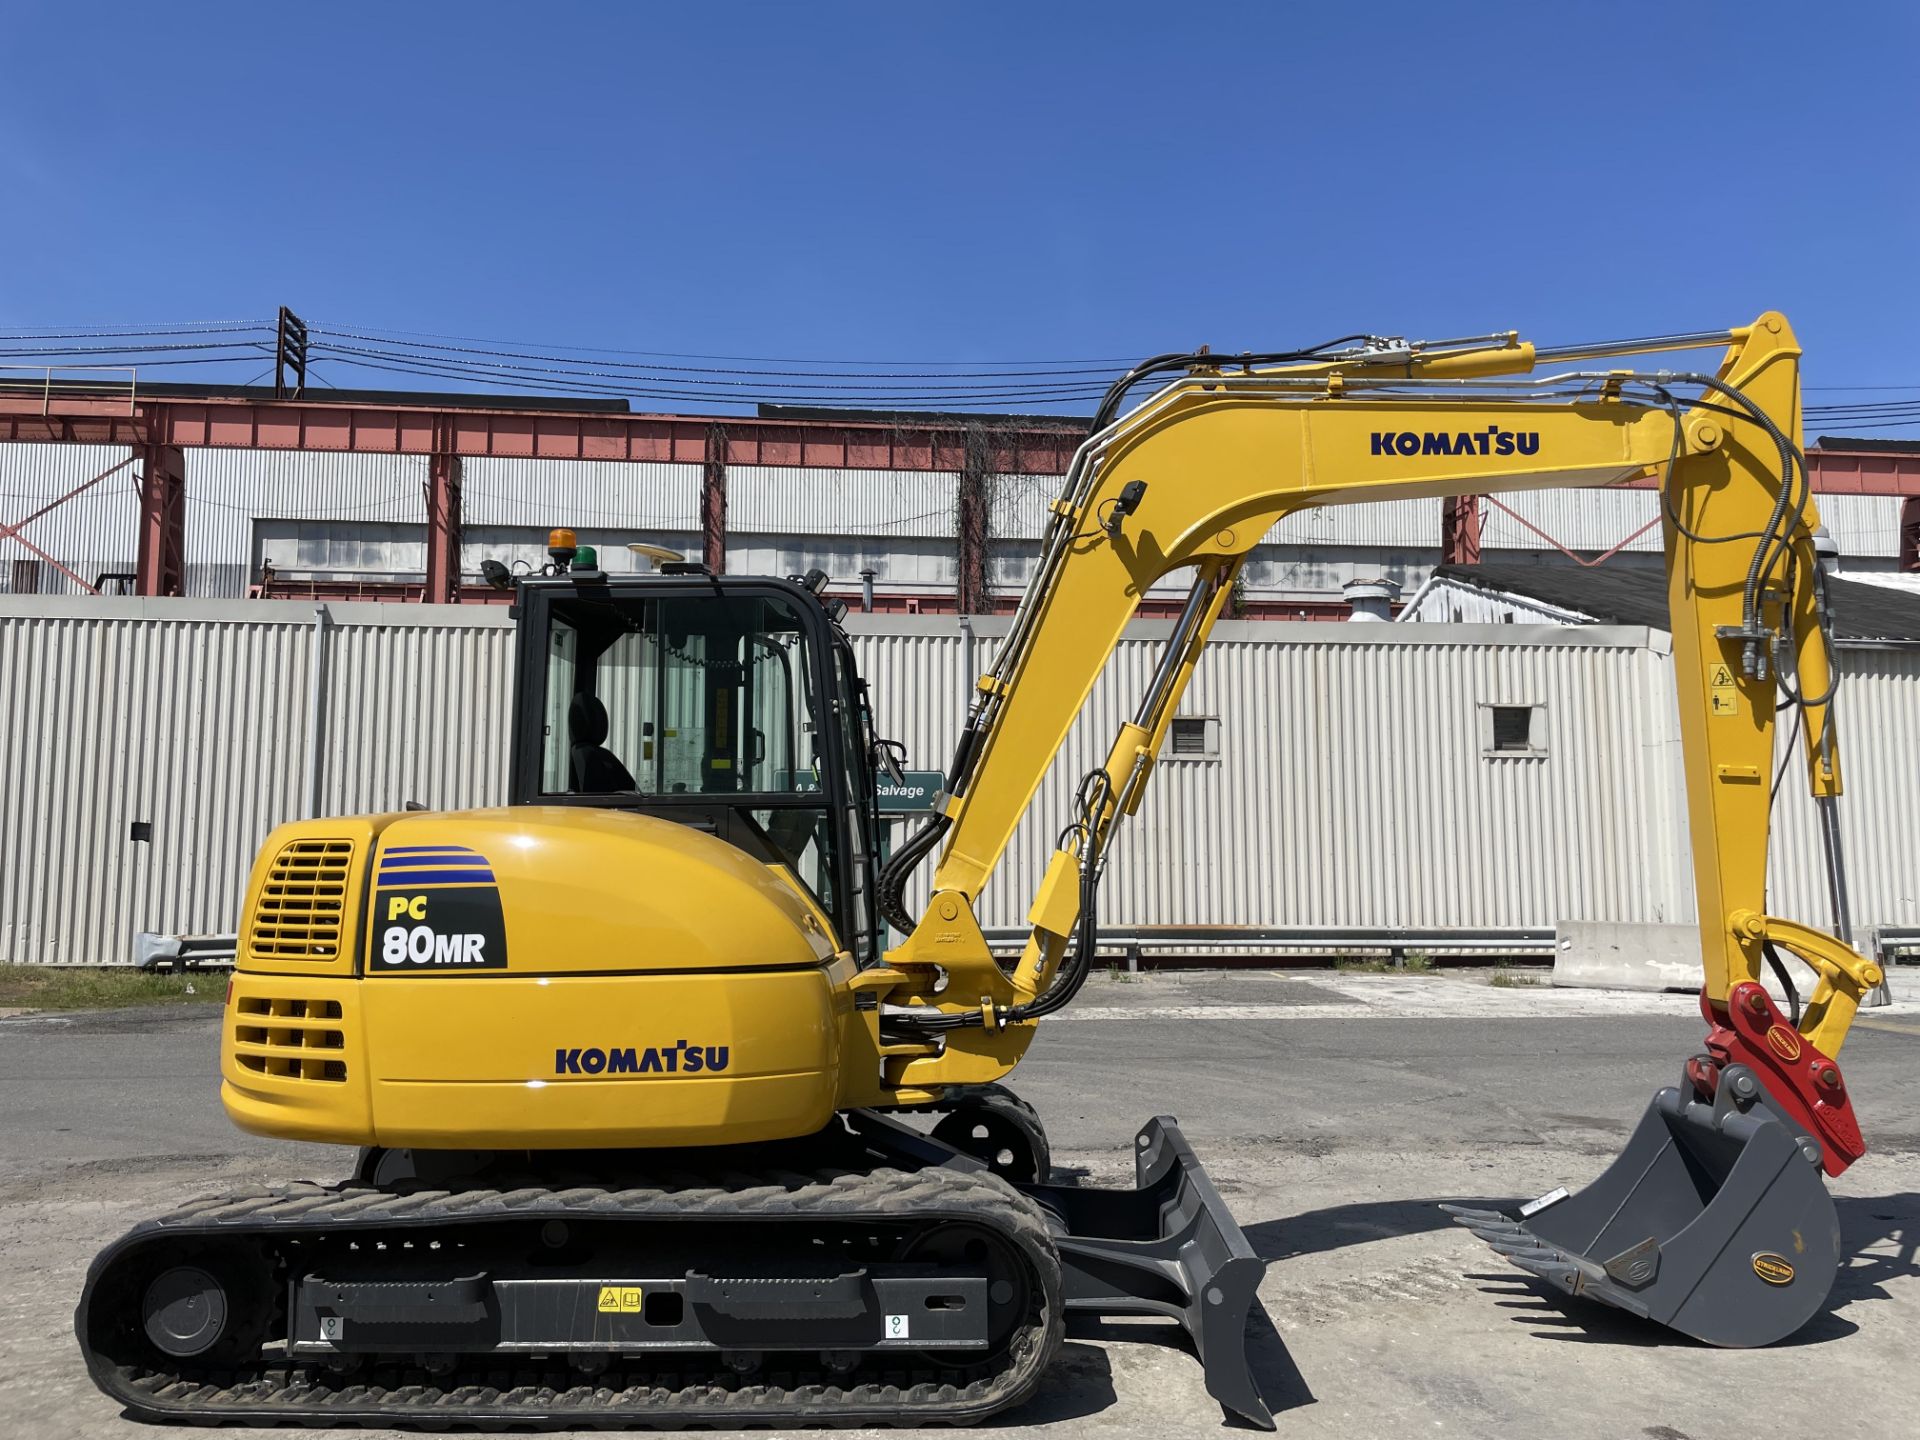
(436, 911)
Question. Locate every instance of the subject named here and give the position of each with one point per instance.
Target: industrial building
(404, 496)
(1322, 788)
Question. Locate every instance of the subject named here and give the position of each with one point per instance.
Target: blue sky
(975, 181)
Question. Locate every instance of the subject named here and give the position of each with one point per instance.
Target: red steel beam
(713, 500)
(443, 530)
(1460, 530)
(243, 423)
(160, 553)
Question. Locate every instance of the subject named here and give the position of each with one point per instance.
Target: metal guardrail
(1895, 940)
(1133, 941)
(183, 952)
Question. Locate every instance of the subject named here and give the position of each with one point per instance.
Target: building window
(26, 577)
(1194, 737)
(1513, 731)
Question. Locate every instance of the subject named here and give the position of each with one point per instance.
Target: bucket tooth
(1712, 1221)
(1494, 1234)
(1467, 1215)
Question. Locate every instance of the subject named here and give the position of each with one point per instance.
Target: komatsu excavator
(656, 1131)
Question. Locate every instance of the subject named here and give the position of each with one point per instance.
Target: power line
(198, 327)
(1107, 372)
(758, 385)
(590, 387)
(742, 359)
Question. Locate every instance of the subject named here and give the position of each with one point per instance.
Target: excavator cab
(730, 706)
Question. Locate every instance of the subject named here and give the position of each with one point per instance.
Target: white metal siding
(605, 501)
(417, 713)
(196, 727)
(893, 522)
(228, 490)
(1595, 520)
(1350, 788)
(791, 500)
(90, 534)
(1407, 524)
(1879, 728)
(1864, 526)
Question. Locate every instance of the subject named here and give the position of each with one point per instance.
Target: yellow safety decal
(1772, 1268)
(625, 1299)
(1723, 695)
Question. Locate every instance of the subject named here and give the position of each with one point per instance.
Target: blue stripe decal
(429, 850)
(402, 861)
(436, 877)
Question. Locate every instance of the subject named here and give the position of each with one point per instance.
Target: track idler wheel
(993, 1125)
(1715, 1220)
(208, 1309)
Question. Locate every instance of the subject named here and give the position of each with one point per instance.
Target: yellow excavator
(656, 1130)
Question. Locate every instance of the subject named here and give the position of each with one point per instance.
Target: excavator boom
(1196, 475)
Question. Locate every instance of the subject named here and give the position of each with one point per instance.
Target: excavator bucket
(1714, 1221)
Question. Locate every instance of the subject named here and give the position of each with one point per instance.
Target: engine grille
(293, 1039)
(302, 905)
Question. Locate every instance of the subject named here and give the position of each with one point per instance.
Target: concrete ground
(1334, 1111)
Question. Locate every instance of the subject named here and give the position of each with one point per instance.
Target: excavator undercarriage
(870, 1274)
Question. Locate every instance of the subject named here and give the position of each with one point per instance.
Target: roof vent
(1371, 599)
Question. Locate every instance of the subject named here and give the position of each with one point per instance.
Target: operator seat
(595, 769)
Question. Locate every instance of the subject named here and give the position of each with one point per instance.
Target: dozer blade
(1167, 1248)
(1714, 1220)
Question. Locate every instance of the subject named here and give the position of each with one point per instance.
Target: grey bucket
(1715, 1220)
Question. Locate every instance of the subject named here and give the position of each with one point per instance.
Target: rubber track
(512, 1392)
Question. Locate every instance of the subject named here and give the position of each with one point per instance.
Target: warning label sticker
(620, 1299)
(1723, 696)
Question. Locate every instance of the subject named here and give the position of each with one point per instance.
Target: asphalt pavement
(1334, 1111)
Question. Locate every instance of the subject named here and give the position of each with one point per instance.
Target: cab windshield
(680, 695)
(705, 708)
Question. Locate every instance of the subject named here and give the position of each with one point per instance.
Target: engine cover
(529, 978)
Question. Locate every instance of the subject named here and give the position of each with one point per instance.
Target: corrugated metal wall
(117, 713)
(192, 716)
(1879, 725)
(1350, 788)
(228, 490)
(90, 534)
(595, 494)
(787, 500)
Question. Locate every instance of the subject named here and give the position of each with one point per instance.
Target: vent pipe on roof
(1371, 600)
